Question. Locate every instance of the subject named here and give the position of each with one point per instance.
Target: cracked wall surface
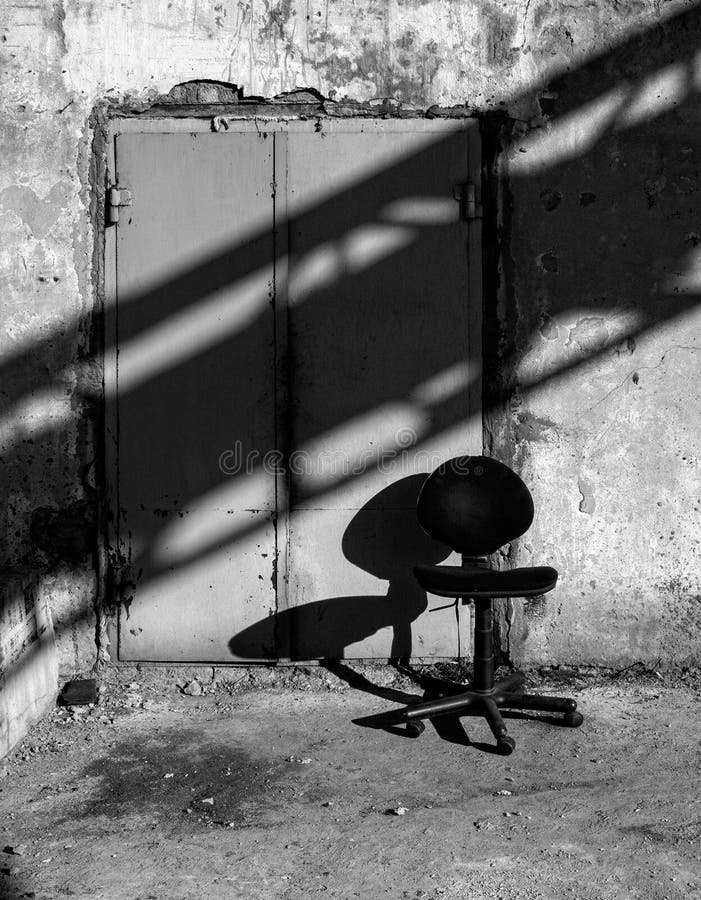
(591, 310)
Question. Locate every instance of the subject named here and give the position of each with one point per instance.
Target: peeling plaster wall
(592, 318)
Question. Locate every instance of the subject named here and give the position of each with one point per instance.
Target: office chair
(476, 505)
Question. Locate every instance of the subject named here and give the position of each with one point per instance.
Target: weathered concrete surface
(600, 309)
(276, 794)
(28, 663)
(597, 335)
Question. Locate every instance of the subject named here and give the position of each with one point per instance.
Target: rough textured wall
(595, 338)
(600, 304)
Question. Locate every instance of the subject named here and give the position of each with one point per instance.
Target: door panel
(195, 392)
(354, 592)
(379, 331)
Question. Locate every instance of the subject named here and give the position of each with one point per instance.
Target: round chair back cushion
(475, 505)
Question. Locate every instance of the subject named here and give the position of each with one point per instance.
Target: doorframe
(112, 564)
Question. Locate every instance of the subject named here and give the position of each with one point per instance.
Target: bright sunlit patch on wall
(187, 333)
(574, 134)
(334, 477)
(364, 246)
(44, 411)
(182, 597)
(422, 211)
(570, 136)
(654, 95)
(358, 445)
(314, 272)
(370, 473)
(445, 384)
(358, 250)
(216, 517)
(583, 334)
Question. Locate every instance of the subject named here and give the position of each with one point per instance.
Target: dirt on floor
(227, 788)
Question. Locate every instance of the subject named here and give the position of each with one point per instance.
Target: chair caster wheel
(572, 719)
(415, 728)
(506, 745)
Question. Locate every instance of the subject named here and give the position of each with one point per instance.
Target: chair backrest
(475, 505)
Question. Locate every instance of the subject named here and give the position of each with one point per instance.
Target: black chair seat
(475, 581)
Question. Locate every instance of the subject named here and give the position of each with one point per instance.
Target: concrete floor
(269, 793)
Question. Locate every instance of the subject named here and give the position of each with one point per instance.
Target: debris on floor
(223, 783)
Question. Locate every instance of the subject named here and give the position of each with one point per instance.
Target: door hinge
(116, 199)
(466, 195)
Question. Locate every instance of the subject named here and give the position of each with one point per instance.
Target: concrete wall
(592, 327)
(28, 661)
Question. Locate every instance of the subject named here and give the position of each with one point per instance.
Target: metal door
(192, 405)
(384, 376)
(309, 291)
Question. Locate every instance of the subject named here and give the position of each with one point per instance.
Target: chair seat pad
(474, 581)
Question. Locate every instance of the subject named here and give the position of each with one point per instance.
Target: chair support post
(483, 679)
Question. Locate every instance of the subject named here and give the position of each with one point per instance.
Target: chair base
(459, 699)
(482, 697)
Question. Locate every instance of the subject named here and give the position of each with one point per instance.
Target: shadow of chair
(384, 539)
